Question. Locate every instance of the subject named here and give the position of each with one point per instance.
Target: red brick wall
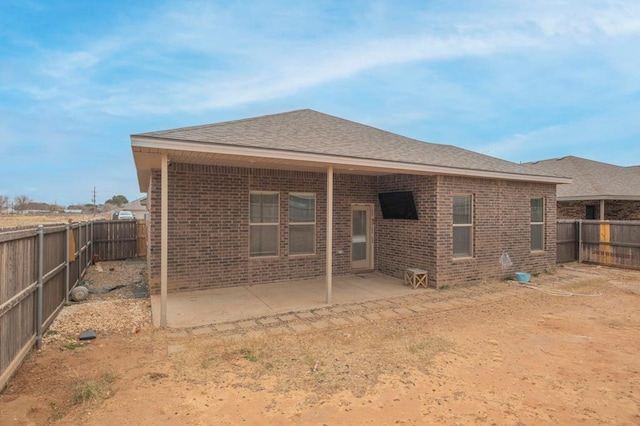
(502, 212)
(613, 209)
(577, 209)
(209, 225)
(622, 210)
(348, 190)
(403, 243)
(209, 229)
(284, 267)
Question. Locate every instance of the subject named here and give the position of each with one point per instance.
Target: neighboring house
(137, 207)
(257, 200)
(599, 191)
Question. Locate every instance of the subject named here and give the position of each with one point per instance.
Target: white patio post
(329, 232)
(601, 209)
(164, 238)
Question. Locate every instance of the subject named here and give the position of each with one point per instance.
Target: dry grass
(592, 286)
(511, 360)
(93, 391)
(85, 392)
(321, 362)
(19, 220)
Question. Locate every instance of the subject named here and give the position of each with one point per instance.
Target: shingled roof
(593, 180)
(314, 133)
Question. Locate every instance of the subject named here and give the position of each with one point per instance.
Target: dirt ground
(564, 351)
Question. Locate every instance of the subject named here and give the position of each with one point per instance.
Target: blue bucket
(523, 277)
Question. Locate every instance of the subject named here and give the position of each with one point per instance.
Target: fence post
(135, 234)
(40, 295)
(580, 241)
(79, 252)
(91, 253)
(67, 266)
(87, 237)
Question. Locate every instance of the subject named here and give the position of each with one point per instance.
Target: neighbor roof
(593, 180)
(307, 137)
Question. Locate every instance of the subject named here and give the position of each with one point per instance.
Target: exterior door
(361, 241)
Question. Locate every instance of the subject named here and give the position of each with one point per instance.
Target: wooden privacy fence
(614, 243)
(119, 239)
(38, 269)
(567, 241)
(40, 266)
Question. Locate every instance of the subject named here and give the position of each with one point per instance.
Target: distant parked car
(125, 215)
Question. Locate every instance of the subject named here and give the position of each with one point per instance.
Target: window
(537, 224)
(264, 211)
(590, 214)
(302, 224)
(463, 225)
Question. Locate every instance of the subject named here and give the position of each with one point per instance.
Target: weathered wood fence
(39, 266)
(566, 241)
(613, 243)
(119, 239)
(38, 269)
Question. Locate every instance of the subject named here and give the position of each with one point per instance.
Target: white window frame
(540, 224)
(463, 225)
(256, 224)
(294, 224)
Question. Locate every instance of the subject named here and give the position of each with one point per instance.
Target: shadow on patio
(204, 307)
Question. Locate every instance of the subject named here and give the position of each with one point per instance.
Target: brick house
(271, 198)
(599, 191)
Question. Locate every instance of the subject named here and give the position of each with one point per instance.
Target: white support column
(601, 209)
(164, 239)
(329, 232)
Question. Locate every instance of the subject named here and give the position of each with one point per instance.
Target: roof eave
(162, 144)
(598, 197)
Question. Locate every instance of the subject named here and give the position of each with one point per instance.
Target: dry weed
(321, 362)
(85, 392)
(93, 391)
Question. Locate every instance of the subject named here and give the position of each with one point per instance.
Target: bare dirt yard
(564, 352)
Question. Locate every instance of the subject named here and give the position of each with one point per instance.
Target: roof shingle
(593, 179)
(309, 131)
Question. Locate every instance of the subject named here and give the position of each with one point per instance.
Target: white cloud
(569, 62)
(225, 66)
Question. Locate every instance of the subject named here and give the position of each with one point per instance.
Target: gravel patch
(131, 273)
(118, 311)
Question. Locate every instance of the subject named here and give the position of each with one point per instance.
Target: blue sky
(518, 80)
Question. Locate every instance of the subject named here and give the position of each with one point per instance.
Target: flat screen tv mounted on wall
(398, 205)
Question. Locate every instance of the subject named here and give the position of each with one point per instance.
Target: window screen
(302, 224)
(263, 223)
(463, 225)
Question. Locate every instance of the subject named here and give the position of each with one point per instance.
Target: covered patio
(302, 195)
(205, 307)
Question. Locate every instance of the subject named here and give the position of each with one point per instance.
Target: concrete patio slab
(198, 308)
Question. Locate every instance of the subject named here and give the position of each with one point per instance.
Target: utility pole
(94, 201)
